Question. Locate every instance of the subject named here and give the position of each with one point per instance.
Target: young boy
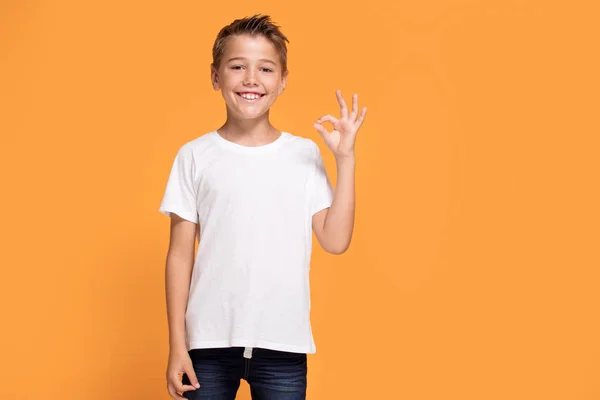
(239, 307)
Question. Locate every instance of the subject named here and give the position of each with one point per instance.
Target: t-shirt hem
(321, 207)
(167, 210)
(200, 344)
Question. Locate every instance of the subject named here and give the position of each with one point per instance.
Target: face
(249, 77)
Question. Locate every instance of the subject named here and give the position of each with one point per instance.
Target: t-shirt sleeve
(322, 190)
(180, 194)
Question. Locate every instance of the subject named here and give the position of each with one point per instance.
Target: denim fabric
(271, 374)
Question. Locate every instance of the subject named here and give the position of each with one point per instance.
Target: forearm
(177, 283)
(339, 223)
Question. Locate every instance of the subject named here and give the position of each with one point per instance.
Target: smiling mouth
(251, 98)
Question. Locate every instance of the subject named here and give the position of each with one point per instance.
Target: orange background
(473, 272)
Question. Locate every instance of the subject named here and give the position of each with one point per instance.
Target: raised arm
(333, 226)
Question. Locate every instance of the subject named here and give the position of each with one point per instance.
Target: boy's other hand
(180, 363)
(343, 137)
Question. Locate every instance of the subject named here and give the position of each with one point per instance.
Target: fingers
(175, 387)
(352, 118)
(322, 131)
(354, 112)
(328, 118)
(174, 394)
(320, 128)
(343, 108)
(361, 118)
(191, 374)
(183, 388)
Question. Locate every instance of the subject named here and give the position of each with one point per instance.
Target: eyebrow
(244, 58)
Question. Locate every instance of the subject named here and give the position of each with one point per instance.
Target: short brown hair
(253, 26)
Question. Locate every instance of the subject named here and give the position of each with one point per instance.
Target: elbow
(336, 252)
(337, 249)
(334, 242)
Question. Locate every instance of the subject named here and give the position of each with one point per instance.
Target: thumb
(321, 129)
(191, 374)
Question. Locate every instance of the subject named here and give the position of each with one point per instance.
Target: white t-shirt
(250, 282)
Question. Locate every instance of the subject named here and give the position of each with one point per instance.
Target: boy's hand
(179, 363)
(341, 140)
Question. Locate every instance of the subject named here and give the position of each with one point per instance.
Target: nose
(250, 78)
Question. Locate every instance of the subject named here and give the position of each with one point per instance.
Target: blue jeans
(271, 374)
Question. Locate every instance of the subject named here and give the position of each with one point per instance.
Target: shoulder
(303, 144)
(192, 148)
(199, 143)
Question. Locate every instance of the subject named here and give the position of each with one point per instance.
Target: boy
(252, 195)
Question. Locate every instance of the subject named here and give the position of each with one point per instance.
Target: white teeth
(250, 96)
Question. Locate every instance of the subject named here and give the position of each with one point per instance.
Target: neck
(250, 132)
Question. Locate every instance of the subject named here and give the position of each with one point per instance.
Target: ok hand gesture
(343, 137)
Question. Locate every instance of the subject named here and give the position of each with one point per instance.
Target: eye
(268, 69)
(237, 66)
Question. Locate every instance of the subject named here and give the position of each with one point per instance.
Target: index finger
(183, 388)
(343, 108)
(179, 386)
(175, 394)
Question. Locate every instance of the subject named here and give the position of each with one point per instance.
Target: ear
(214, 77)
(283, 81)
